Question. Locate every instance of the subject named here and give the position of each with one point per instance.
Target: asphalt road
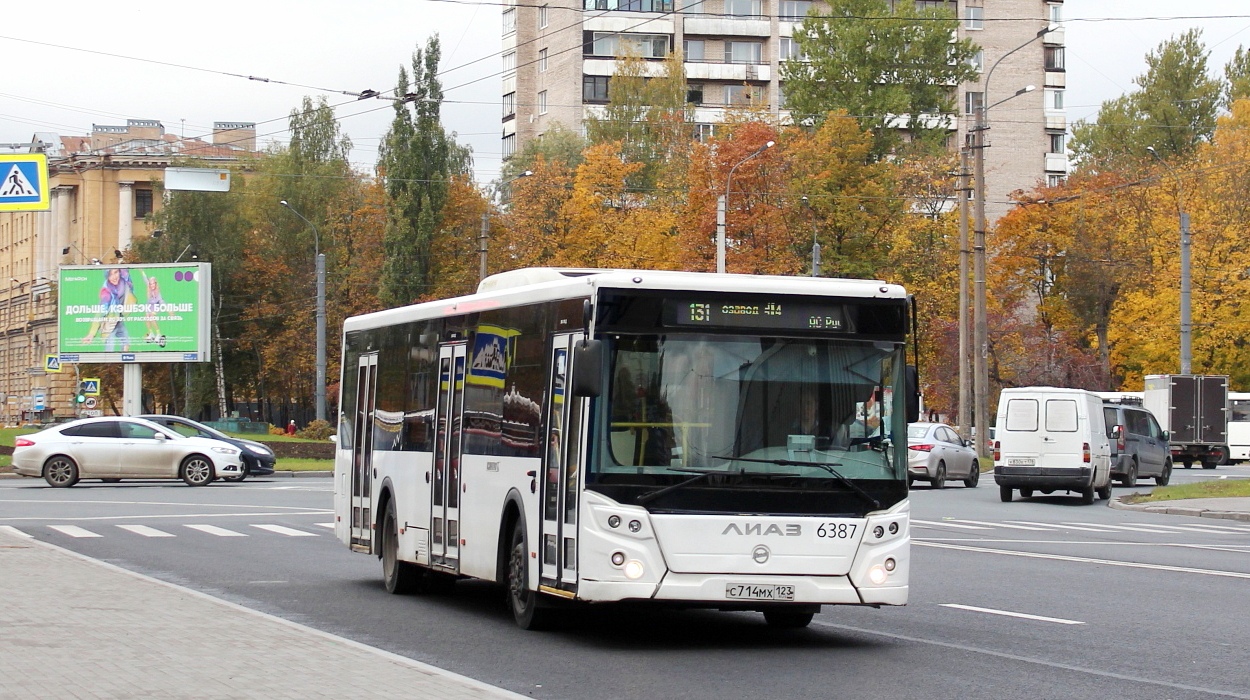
(1037, 598)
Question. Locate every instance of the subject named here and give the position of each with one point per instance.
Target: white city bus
(598, 436)
(1238, 426)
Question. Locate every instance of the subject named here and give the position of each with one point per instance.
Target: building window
(629, 5)
(704, 132)
(1058, 142)
(693, 49)
(509, 105)
(744, 8)
(978, 61)
(509, 20)
(542, 102)
(542, 60)
(1055, 11)
(509, 145)
(509, 61)
(789, 50)
(743, 95)
(973, 102)
(974, 17)
(1053, 100)
(644, 45)
(793, 10)
(1054, 57)
(542, 16)
(594, 88)
(143, 203)
(744, 52)
(1054, 180)
(694, 94)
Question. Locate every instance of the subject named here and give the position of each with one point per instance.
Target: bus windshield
(750, 415)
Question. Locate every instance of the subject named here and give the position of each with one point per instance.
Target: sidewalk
(1221, 508)
(74, 627)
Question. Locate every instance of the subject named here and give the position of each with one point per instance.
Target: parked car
(935, 452)
(117, 448)
(258, 459)
(1139, 446)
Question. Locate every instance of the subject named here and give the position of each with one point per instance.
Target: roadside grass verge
(294, 464)
(1225, 488)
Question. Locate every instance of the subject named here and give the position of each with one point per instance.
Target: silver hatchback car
(117, 448)
(935, 452)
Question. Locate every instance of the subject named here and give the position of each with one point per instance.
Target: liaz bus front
(747, 449)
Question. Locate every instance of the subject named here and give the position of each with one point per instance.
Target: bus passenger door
(562, 458)
(445, 525)
(362, 454)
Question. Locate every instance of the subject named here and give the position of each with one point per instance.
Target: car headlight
(225, 450)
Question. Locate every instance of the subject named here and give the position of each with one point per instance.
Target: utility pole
(481, 246)
(965, 374)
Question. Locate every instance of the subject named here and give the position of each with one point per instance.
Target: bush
(275, 430)
(317, 430)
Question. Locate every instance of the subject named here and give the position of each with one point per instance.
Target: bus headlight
(877, 575)
(633, 569)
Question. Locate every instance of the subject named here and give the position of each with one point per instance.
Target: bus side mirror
(587, 368)
(913, 394)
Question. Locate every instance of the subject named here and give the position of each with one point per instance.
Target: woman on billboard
(117, 292)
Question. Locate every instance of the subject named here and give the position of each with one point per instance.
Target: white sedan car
(935, 452)
(117, 448)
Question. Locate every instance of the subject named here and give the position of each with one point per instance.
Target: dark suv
(1139, 447)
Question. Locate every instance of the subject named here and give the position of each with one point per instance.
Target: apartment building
(103, 188)
(559, 54)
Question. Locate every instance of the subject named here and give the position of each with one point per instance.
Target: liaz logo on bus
(784, 530)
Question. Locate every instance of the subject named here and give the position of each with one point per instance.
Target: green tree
(1173, 110)
(418, 160)
(879, 65)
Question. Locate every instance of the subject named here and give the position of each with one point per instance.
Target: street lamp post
(319, 389)
(1186, 321)
(722, 203)
(980, 350)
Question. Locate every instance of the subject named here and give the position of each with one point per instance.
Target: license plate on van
(1021, 461)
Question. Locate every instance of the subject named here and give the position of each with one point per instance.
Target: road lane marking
(289, 532)
(14, 531)
(1221, 529)
(73, 531)
(168, 516)
(145, 531)
(156, 503)
(1062, 526)
(1150, 529)
(946, 524)
(329, 525)
(1013, 527)
(219, 531)
(1087, 560)
(1007, 613)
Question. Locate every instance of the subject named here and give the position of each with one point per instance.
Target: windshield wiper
(701, 475)
(800, 463)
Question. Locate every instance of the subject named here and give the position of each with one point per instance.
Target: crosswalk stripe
(73, 531)
(14, 531)
(1013, 527)
(947, 524)
(218, 531)
(326, 525)
(289, 532)
(145, 531)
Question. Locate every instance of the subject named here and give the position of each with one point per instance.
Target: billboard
(134, 313)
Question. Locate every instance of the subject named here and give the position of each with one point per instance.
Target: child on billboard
(153, 303)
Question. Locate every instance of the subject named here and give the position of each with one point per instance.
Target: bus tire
(399, 576)
(527, 610)
(787, 619)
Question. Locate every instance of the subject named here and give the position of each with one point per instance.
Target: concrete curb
(1162, 507)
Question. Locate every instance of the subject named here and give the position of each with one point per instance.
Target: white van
(1050, 439)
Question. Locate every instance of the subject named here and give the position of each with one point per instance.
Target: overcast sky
(76, 63)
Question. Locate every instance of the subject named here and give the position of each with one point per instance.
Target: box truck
(1193, 409)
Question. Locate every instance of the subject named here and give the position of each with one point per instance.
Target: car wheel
(197, 470)
(1166, 476)
(1087, 494)
(1004, 494)
(939, 479)
(1105, 492)
(1189, 464)
(1130, 477)
(788, 619)
(1208, 465)
(1026, 493)
(399, 576)
(240, 477)
(526, 608)
(60, 472)
(974, 474)
(910, 481)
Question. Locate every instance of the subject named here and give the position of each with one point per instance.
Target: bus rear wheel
(399, 576)
(527, 610)
(787, 619)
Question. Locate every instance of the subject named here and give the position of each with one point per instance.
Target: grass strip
(1222, 488)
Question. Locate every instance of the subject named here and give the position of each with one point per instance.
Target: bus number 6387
(836, 531)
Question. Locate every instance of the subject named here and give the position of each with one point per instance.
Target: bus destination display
(779, 314)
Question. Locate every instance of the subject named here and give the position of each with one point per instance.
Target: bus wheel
(526, 609)
(399, 576)
(787, 619)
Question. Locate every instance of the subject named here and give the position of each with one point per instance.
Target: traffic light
(82, 393)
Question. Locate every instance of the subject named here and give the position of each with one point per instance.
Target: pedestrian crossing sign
(24, 182)
(51, 363)
(90, 386)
